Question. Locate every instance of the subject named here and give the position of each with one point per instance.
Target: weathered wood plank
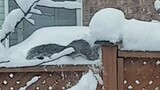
(47, 68)
(138, 54)
(109, 57)
(120, 74)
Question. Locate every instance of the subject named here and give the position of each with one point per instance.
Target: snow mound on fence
(56, 35)
(106, 24)
(141, 36)
(110, 25)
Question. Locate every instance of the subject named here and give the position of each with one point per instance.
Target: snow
(87, 82)
(29, 19)
(99, 79)
(157, 4)
(25, 4)
(58, 55)
(59, 35)
(36, 11)
(27, 8)
(2, 51)
(33, 80)
(10, 22)
(155, 21)
(64, 4)
(110, 25)
(106, 25)
(141, 36)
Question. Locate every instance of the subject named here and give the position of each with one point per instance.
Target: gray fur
(46, 50)
(81, 47)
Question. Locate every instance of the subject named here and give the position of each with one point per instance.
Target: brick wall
(138, 9)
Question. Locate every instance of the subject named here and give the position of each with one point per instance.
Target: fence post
(109, 59)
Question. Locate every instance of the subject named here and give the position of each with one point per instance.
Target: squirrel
(81, 48)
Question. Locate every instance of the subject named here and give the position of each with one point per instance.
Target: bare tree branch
(25, 14)
(19, 7)
(31, 7)
(42, 4)
(45, 14)
(4, 62)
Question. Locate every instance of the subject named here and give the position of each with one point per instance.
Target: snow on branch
(27, 9)
(11, 21)
(16, 16)
(64, 4)
(4, 61)
(26, 5)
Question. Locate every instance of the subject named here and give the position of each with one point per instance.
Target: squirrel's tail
(32, 54)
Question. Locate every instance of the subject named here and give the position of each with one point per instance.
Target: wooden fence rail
(130, 70)
(51, 77)
(122, 70)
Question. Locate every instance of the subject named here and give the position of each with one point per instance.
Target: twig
(4, 61)
(50, 60)
(45, 14)
(25, 14)
(5, 36)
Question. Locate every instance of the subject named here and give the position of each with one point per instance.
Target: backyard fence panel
(48, 77)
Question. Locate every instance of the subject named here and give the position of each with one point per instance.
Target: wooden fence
(129, 70)
(122, 70)
(51, 77)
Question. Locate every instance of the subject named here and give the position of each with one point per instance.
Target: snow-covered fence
(41, 78)
(122, 70)
(130, 70)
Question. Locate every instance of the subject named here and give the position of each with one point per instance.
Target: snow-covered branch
(4, 61)
(27, 9)
(26, 5)
(16, 16)
(64, 4)
(11, 22)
